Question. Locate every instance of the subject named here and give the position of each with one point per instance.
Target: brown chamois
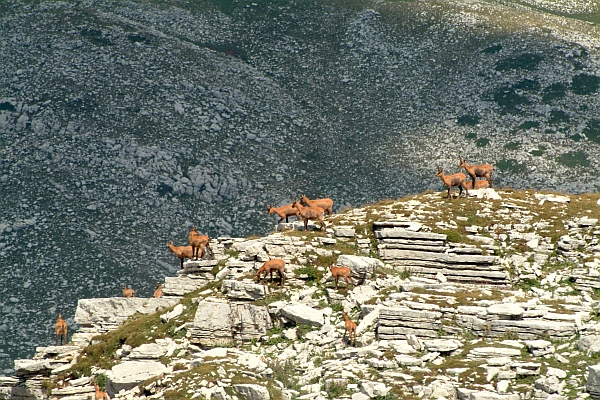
(350, 329)
(199, 244)
(158, 292)
(326, 204)
(477, 171)
(453, 180)
(479, 184)
(182, 252)
(100, 394)
(343, 272)
(268, 267)
(284, 212)
(61, 330)
(128, 292)
(308, 213)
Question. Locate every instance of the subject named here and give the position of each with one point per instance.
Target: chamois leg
(181, 259)
(57, 339)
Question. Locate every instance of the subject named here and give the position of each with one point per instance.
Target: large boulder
(593, 381)
(362, 267)
(129, 374)
(252, 392)
(220, 323)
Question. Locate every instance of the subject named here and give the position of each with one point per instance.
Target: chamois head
(462, 161)
(440, 171)
(270, 209)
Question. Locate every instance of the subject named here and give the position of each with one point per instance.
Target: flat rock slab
(28, 367)
(484, 395)
(506, 311)
(114, 310)
(129, 374)
(73, 391)
(302, 314)
(241, 290)
(441, 345)
(491, 352)
(399, 233)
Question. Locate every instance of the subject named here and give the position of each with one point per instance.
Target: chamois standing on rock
(326, 204)
(284, 212)
(350, 329)
(61, 330)
(268, 267)
(199, 244)
(128, 292)
(343, 272)
(158, 292)
(100, 394)
(477, 171)
(308, 213)
(453, 180)
(182, 252)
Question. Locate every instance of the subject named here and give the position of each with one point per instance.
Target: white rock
(148, 351)
(441, 345)
(373, 389)
(302, 314)
(129, 374)
(174, 313)
(559, 373)
(508, 310)
(252, 392)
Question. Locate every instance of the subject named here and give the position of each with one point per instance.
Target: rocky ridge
(532, 334)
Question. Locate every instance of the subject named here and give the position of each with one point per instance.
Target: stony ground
(124, 123)
(420, 335)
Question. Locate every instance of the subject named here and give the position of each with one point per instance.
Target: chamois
(309, 213)
(477, 171)
(350, 329)
(100, 394)
(284, 212)
(199, 243)
(326, 204)
(268, 267)
(479, 184)
(61, 330)
(453, 180)
(343, 272)
(182, 252)
(158, 292)
(128, 292)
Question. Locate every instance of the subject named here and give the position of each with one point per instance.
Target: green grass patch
(468, 120)
(529, 124)
(525, 61)
(482, 142)
(511, 165)
(584, 84)
(592, 130)
(574, 159)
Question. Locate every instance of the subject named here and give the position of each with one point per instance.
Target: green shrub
(574, 159)
(584, 84)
